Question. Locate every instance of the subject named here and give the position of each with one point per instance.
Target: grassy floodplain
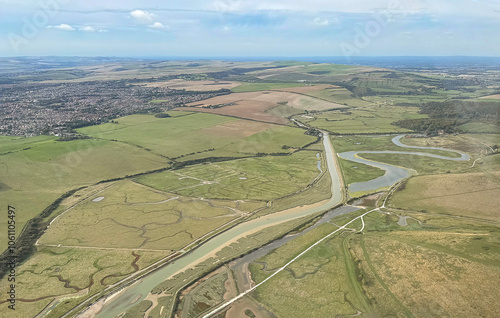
(99, 242)
(355, 172)
(72, 272)
(42, 169)
(136, 217)
(431, 271)
(473, 144)
(243, 179)
(384, 143)
(470, 194)
(317, 283)
(423, 165)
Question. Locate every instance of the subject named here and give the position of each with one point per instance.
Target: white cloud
(321, 22)
(157, 25)
(64, 27)
(91, 29)
(142, 16)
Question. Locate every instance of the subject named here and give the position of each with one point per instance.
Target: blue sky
(250, 27)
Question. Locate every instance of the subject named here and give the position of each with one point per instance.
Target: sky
(249, 28)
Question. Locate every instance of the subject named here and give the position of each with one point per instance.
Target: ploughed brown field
(254, 105)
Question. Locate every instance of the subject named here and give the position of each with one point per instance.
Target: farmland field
(339, 95)
(270, 98)
(196, 133)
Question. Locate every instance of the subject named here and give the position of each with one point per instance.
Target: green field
(490, 140)
(423, 165)
(262, 179)
(199, 133)
(39, 170)
(375, 119)
(255, 87)
(354, 172)
(340, 95)
(475, 127)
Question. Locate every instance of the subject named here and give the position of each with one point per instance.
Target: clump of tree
(162, 115)
(449, 115)
(72, 137)
(313, 132)
(462, 110)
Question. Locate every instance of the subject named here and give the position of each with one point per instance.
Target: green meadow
(197, 133)
(374, 119)
(255, 87)
(36, 171)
